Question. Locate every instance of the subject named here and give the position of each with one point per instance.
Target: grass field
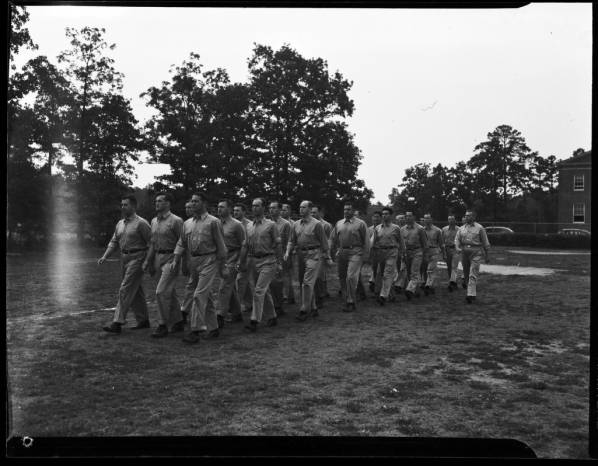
(513, 365)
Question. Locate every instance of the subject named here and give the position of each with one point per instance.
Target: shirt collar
(130, 219)
(201, 217)
(165, 216)
(306, 220)
(350, 220)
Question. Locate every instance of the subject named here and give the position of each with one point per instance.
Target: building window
(577, 182)
(579, 213)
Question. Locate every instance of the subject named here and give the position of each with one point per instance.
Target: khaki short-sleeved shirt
(166, 231)
(132, 233)
(471, 235)
(448, 235)
(387, 236)
(234, 233)
(350, 233)
(414, 236)
(434, 236)
(202, 235)
(309, 233)
(262, 237)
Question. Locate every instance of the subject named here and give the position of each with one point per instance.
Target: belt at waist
(197, 254)
(350, 247)
(233, 249)
(164, 251)
(452, 246)
(259, 256)
(385, 247)
(412, 248)
(309, 248)
(472, 246)
(131, 251)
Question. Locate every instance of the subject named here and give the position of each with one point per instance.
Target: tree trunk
(80, 166)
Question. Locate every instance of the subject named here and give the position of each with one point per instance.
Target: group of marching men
(235, 265)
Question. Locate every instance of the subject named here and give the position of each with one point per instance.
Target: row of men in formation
(237, 265)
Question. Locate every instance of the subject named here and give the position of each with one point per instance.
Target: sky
(428, 84)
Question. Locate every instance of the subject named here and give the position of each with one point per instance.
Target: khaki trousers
(203, 271)
(413, 264)
(432, 266)
(226, 292)
(261, 272)
(169, 308)
(387, 269)
(349, 265)
(309, 266)
(130, 293)
(452, 264)
(472, 258)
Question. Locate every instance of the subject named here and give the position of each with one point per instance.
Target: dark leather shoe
(408, 295)
(140, 325)
(191, 338)
(426, 290)
(178, 327)
(302, 316)
(233, 319)
(185, 316)
(314, 313)
(213, 334)
(372, 286)
(251, 326)
(160, 332)
(279, 311)
(114, 327)
(271, 322)
(464, 285)
(469, 299)
(220, 320)
(381, 300)
(398, 289)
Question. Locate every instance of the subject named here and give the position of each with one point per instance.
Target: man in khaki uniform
(401, 277)
(349, 239)
(166, 231)
(416, 244)
(284, 230)
(310, 242)
(189, 286)
(471, 241)
(132, 235)
(287, 266)
(435, 252)
(234, 239)
(321, 289)
(465, 272)
(264, 261)
(243, 291)
(387, 243)
(203, 237)
(376, 266)
(451, 256)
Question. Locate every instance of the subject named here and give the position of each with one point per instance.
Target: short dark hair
(378, 212)
(387, 209)
(167, 196)
(226, 201)
(202, 196)
(240, 206)
(131, 198)
(261, 199)
(278, 204)
(288, 205)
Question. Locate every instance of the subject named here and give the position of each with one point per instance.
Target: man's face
(451, 220)
(428, 221)
(223, 209)
(315, 213)
(188, 209)
(238, 213)
(257, 208)
(126, 207)
(376, 219)
(285, 211)
(401, 220)
(304, 209)
(410, 219)
(274, 210)
(357, 213)
(161, 204)
(348, 211)
(196, 204)
(468, 217)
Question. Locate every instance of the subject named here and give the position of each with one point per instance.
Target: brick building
(575, 192)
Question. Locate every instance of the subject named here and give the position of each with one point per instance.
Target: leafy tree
(19, 34)
(92, 77)
(544, 173)
(303, 145)
(202, 130)
(499, 165)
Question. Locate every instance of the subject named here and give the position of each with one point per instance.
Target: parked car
(573, 232)
(498, 231)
